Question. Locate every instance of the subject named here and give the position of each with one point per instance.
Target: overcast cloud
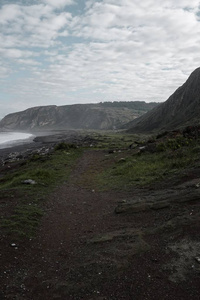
(74, 51)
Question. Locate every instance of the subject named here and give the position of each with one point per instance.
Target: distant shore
(40, 139)
(45, 140)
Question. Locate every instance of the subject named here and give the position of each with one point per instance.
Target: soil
(87, 249)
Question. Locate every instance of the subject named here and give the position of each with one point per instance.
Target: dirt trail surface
(85, 250)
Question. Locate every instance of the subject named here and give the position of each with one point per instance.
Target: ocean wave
(10, 139)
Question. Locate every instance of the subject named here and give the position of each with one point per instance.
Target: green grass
(48, 172)
(115, 140)
(144, 169)
(24, 221)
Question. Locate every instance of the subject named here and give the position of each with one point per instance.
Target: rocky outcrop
(80, 116)
(181, 109)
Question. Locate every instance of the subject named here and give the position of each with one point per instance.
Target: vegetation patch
(144, 168)
(32, 182)
(116, 140)
(64, 146)
(174, 143)
(24, 221)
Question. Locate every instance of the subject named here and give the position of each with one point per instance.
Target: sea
(10, 139)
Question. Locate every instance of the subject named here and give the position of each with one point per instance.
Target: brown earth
(138, 244)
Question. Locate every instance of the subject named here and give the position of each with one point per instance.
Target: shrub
(173, 144)
(64, 146)
(161, 147)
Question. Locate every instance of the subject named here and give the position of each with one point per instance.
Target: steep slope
(181, 109)
(80, 116)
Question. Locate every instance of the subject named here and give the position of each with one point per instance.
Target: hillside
(181, 109)
(108, 115)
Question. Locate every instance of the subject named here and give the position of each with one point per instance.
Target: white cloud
(9, 13)
(15, 53)
(4, 70)
(32, 26)
(113, 50)
(59, 3)
(29, 62)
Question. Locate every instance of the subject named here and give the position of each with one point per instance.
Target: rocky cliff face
(80, 116)
(181, 109)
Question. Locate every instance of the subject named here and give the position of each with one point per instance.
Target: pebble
(29, 181)
(197, 259)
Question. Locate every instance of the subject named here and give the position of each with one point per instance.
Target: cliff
(108, 115)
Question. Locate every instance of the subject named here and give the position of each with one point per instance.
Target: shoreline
(37, 137)
(43, 143)
(23, 149)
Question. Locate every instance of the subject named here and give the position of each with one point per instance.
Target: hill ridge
(108, 115)
(182, 108)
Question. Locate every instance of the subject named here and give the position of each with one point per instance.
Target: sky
(60, 52)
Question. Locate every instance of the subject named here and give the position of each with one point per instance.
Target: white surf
(10, 139)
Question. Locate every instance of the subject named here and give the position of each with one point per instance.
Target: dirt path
(85, 251)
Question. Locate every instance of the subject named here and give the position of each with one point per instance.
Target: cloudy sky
(75, 51)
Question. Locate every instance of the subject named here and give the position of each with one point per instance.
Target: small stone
(197, 259)
(121, 160)
(122, 201)
(159, 205)
(13, 245)
(29, 181)
(111, 151)
(155, 260)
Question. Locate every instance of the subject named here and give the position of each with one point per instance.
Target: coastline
(29, 146)
(42, 143)
(18, 152)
